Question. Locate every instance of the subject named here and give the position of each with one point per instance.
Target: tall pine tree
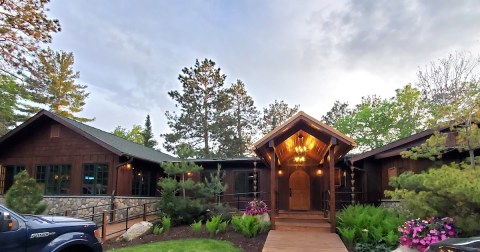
(242, 123)
(24, 26)
(54, 84)
(202, 101)
(275, 114)
(11, 104)
(147, 134)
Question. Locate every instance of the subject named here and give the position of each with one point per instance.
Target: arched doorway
(299, 183)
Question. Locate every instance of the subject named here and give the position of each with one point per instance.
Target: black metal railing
(103, 218)
(240, 200)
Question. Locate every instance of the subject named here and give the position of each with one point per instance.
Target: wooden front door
(299, 183)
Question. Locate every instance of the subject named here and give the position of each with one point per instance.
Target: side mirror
(6, 222)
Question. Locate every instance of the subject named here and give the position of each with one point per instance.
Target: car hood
(59, 220)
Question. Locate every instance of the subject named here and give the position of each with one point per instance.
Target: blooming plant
(420, 234)
(256, 207)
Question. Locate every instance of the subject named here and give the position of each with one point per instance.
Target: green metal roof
(107, 140)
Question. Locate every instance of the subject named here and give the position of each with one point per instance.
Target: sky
(310, 53)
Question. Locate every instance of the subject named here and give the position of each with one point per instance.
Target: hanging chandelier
(300, 149)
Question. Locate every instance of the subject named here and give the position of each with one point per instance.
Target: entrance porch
(301, 154)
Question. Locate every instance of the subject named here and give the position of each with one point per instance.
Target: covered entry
(301, 154)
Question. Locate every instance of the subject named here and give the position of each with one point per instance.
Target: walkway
(278, 241)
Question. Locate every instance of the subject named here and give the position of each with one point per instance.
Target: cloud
(310, 54)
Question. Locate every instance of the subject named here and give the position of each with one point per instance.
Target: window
(95, 179)
(141, 183)
(54, 179)
(244, 182)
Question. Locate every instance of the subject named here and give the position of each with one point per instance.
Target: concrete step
(306, 227)
(301, 219)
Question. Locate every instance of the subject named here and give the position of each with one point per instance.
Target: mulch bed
(185, 232)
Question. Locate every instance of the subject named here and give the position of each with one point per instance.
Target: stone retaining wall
(89, 205)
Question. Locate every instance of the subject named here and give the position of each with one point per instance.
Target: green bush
(249, 225)
(196, 226)
(449, 191)
(25, 196)
(216, 225)
(368, 225)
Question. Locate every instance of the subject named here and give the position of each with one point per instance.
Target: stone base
(89, 205)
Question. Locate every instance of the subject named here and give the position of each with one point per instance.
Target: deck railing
(103, 218)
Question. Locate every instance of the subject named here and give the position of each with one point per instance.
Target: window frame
(96, 169)
(48, 183)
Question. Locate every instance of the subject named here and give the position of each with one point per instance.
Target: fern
(196, 226)
(166, 223)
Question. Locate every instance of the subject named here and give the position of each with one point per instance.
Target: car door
(12, 233)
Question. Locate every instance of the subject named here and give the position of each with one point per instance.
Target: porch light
(189, 174)
(280, 172)
(319, 172)
(128, 166)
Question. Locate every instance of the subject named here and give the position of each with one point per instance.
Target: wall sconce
(189, 174)
(319, 172)
(280, 172)
(128, 166)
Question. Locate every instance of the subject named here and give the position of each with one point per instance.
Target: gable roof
(302, 116)
(107, 140)
(396, 144)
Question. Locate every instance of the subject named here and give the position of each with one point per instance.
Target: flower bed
(420, 234)
(256, 207)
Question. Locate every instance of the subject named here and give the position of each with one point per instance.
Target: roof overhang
(318, 138)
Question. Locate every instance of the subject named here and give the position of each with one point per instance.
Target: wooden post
(331, 168)
(273, 185)
(144, 211)
(68, 212)
(104, 225)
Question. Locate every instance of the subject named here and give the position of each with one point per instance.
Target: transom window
(95, 179)
(54, 179)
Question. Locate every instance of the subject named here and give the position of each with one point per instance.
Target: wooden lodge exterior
(302, 166)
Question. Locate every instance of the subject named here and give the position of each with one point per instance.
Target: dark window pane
(141, 183)
(95, 179)
(54, 179)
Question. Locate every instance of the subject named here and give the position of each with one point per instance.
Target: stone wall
(388, 203)
(85, 206)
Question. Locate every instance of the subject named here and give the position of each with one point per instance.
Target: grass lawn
(205, 245)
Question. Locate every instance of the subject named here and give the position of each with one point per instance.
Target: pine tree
(202, 103)
(24, 27)
(241, 125)
(25, 196)
(276, 113)
(147, 134)
(12, 106)
(54, 84)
